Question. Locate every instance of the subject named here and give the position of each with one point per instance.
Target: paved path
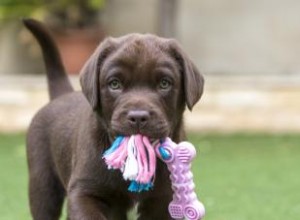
(229, 104)
(244, 103)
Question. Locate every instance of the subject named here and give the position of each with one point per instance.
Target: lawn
(238, 177)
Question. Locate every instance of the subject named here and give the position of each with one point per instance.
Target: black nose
(138, 118)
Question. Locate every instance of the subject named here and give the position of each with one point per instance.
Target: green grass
(238, 177)
(13, 178)
(245, 177)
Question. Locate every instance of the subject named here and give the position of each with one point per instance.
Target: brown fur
(154, 81)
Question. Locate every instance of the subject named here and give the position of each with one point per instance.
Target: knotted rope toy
(135, 157)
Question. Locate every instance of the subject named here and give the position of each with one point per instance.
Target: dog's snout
(138, 118)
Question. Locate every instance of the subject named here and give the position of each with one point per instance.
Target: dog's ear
(193, 80)
(89, 74)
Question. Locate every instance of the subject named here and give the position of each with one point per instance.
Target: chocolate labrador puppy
(132, 84)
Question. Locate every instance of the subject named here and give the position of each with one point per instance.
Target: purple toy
(178, 159)
(135, 157)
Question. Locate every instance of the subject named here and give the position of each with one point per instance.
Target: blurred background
(247, 51)
(246, 125)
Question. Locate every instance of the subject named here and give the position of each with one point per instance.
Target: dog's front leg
(155, 208)
(85, 207)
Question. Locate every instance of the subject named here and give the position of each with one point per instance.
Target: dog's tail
(58, 81)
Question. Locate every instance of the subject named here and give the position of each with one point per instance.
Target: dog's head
(141, 84)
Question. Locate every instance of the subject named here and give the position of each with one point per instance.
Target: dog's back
(58, 114)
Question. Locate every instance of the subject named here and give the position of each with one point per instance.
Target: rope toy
(135, 157)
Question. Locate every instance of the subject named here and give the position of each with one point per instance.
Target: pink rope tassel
(142, 160)
(135, 157)
(152, 159)
(116, 159)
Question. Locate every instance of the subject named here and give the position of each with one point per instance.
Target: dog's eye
(115, 84)
(164, 83)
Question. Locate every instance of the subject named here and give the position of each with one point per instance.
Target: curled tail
(58, 81)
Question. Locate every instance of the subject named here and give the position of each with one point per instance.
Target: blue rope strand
(139, 187)
(114, 145)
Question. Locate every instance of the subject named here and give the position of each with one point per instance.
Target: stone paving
(229, 104)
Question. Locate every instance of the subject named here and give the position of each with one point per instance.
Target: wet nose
(138, 118)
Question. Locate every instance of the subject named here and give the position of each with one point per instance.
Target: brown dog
(133, 84)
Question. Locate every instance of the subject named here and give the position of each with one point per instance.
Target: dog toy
(178, 159)
(136, 156)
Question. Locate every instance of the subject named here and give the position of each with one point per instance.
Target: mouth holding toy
(148, 121)
(135, 156)
(153, 133)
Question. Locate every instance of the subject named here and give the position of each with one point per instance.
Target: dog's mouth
(154, 141)
(147, 122)
(152, 132)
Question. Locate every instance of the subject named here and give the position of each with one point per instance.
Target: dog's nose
(138, 118)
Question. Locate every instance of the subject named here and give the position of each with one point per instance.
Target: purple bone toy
(178, 159)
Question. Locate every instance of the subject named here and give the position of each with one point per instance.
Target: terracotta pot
(76, 46)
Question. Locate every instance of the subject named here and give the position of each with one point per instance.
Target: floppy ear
(193, 81)
(89, 74)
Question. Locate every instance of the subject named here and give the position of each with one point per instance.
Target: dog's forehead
(144, 46)
(141, 51)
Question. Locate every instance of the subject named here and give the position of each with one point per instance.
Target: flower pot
(77, 45)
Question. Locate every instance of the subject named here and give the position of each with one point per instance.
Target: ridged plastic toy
(178, 159)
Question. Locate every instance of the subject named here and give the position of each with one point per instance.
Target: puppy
(132, 84)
